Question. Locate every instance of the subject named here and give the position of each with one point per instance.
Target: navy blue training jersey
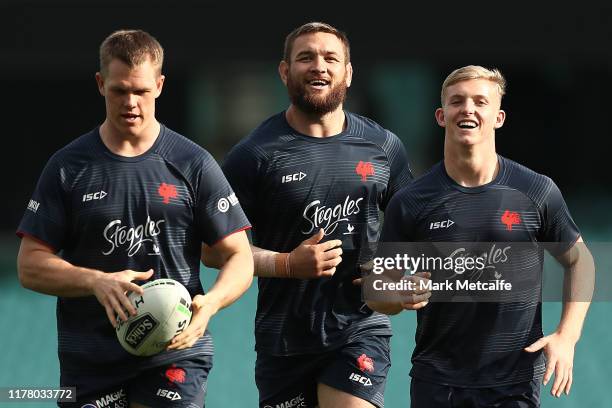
(112, 213)
(480, 344)
(291, 185)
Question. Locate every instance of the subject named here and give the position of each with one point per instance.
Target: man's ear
(440, 117)
(349, 74)
(283, 69)
(500, 119)
(100, 82)
(159, 83)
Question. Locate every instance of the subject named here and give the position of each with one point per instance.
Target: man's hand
(110, 289)
(397, 300)
(312, 259)
(201, 314)
(559, 352)
(417, 298)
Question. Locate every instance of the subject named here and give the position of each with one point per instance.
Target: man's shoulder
(181, 150)
(369, 129)
(263, 139)
(79, 150)
(535, 185)
(372, 132)
(424, 188)
(520, 170)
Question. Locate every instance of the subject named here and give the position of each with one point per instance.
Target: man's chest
(128, 206)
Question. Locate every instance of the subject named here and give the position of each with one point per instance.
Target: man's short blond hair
(131, 47)
(474, 72)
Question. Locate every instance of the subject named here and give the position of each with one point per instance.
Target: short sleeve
(45, 217)
(218, 211)
(398, 223)
(558, 226)
(241, 167)
(400, 172)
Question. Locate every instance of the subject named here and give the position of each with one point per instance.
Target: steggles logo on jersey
(117, 235)
(167, 191)
(510, 218)
(491, 258)
(350, 230)
(321, 216)
(364, 169)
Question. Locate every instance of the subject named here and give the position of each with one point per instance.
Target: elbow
(249, 270)
(24, 274)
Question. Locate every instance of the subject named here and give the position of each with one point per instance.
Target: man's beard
(315, 104)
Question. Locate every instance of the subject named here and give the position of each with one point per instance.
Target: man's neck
(471, 166)
(326, 125)
(128, 145)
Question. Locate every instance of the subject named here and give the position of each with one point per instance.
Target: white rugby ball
(163, 311)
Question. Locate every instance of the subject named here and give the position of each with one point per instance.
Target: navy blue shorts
(180, 384)
(425, 394)
(359, 368)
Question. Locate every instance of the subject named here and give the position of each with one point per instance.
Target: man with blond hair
(477, 353)
(128, 201)
(312, 179)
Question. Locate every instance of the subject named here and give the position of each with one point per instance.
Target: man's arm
(311, 259)
(578, 285)
(235, 261)
(41, 270)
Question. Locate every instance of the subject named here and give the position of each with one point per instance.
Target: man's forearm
(235, 277)
(47, 273)
(578, 287)
(267, 264)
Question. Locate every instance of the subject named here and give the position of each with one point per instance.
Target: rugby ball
(163, 311)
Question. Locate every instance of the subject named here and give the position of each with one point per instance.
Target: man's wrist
(205, 303)
(569, 335)
(282, 267)
(90, 277)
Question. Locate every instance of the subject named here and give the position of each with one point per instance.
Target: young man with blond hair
(477, 353)
(129, 201)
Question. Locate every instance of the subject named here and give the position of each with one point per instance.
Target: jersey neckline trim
(477, 189)
(313, 139)
(107, 152)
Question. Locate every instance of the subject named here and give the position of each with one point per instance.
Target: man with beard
(312, 181)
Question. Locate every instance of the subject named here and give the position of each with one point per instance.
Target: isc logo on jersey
(95, 196)
(361, 379)
(171, 395)
(440, 224)
(293, 177)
